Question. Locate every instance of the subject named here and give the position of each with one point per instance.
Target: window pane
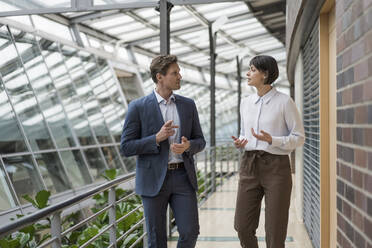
(45, 91)
(23, 175)
(67, 92)
(130, 163)
(86, 94)
(76, 169)
(96, 164)
(22, 96)
(52, 172)
(112, 158)
(106, 93)
(11, 139)
(6, 198)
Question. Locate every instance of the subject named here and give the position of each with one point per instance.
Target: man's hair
(160, 64)
(265, 63)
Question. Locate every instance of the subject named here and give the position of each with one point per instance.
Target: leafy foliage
(37, 233)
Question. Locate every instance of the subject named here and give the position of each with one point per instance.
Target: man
(163, 129)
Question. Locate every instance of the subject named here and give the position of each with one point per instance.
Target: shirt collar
(160, 99)
(267, 97)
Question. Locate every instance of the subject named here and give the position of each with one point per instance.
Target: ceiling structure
(244, 28)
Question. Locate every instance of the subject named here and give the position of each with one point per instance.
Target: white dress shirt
(276, 114)
(169, 111)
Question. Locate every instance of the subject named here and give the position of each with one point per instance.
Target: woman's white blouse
(276, 114)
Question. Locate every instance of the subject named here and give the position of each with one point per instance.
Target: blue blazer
(142, 122)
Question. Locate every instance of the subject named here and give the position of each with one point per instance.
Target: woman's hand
(264, 136)
(239, 143)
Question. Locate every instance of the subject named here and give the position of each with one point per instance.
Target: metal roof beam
(175, 38)
(223, 34)
(84, 5)
(189, 29)
(94, 15)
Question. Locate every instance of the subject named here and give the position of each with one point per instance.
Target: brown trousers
(263, 174)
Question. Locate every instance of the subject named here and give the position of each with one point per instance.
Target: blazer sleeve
(131, 141)
(197, 141)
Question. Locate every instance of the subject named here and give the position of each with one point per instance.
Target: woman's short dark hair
(268, 64)
(160, 64)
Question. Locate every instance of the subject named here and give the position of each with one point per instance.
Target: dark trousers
(263, 174)
(178, 192)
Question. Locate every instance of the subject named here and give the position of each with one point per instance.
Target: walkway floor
(217, 218)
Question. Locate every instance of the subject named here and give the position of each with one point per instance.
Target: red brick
(357, 93)
(361, 70)
(340, 43)
(340, 221)
(339, 9)
(360, 115)
(346, 210)
(357, 219)
(368, 228)
(368, 136)
(368, 183)
(347, 97)
(358, 50)
(347, 135)
(368, 42)
(349, 37)
(367, 93)
(346, 172)
(346, 58)
(360, 158)
(360, 200)
(357, 178)
(357, 10)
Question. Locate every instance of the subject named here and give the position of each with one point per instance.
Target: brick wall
(354, 123)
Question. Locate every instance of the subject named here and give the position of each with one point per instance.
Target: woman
(271, 130)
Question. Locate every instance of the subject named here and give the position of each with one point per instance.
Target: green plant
(34, 235)
(30, 236)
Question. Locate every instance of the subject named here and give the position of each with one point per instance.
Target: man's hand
(264, 136)
(180, 148)
(166, 131)
(239, 143)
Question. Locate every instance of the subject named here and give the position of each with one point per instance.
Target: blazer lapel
(155, 109)
(181, 114)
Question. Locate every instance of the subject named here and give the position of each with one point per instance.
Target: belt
(175, 166)
(255, 154)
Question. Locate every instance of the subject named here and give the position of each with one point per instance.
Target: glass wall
(61, 117)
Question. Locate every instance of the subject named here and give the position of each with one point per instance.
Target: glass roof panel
(32, 4)
(182, 23)
(47, 25)
(120, 19)
(104, 2)
(22, 19)
(136, 35)
(242, 23)
(125, 28)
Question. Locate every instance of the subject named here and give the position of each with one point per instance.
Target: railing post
(206, 172)
(169, 223)
(221, 166)
(55, 229)
(213, 167)
(228, 158)
(112, 215)
(145, 243)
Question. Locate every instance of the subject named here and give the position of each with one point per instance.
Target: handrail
(32, 218)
